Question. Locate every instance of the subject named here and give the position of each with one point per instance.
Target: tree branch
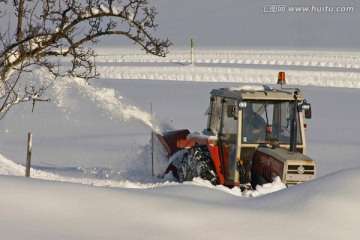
(62, 28)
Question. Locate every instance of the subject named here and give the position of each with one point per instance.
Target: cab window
(263, 120)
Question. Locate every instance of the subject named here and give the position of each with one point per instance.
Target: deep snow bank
(324, 208)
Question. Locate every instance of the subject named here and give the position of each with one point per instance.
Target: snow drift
(70, 211)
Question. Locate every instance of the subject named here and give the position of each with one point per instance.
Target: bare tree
(39, 31)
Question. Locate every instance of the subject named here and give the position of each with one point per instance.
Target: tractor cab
(249, 117)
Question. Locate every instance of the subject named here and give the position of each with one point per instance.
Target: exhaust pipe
(293, 127)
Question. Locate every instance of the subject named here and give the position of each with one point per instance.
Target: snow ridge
(331, 69)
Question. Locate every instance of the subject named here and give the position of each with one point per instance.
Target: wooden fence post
(28, 156)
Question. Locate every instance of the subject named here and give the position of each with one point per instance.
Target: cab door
(228, 140)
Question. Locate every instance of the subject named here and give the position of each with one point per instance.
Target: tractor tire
(197, 162)
(257, 179)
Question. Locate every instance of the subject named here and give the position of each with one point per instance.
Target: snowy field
(98, 135)
(91, 160)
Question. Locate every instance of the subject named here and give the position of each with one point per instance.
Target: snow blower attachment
(253, 134)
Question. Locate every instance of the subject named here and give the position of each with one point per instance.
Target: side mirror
(308, 113)
(307, 108)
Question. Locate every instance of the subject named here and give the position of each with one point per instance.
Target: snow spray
(105, 98)
(113, 104)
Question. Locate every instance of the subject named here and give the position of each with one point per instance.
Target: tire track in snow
(330, 69)
(243, 75)
(328, 59)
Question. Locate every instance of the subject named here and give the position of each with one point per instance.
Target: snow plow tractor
(253, 134)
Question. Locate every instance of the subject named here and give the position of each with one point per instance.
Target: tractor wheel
(198, 163)
(257, 179)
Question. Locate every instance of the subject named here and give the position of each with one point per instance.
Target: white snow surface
(91, 159)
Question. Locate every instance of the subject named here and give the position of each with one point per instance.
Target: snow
(91, 160)
(250, 88)
(276, 185)
(104, 8)
(206, 135)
